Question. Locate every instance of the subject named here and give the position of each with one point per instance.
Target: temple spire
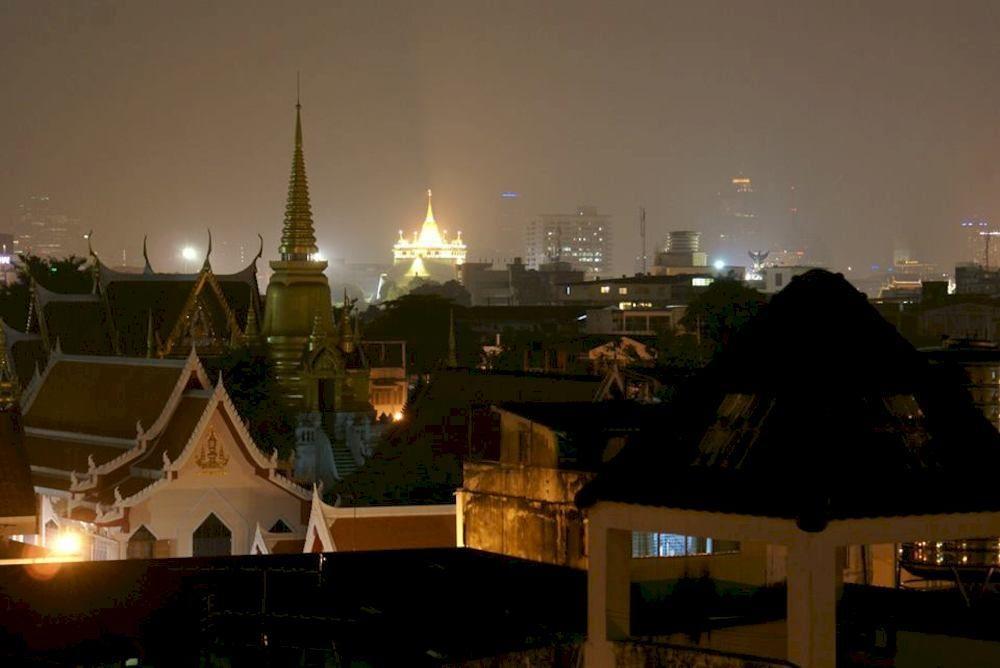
(298, 238)
(429, 218)
(430, 235)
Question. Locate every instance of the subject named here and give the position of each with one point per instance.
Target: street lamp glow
(67, 544)
(719, 265)
(189, 254)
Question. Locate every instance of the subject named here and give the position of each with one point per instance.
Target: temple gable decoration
(212, 458)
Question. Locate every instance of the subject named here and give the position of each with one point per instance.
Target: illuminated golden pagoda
(298, 292)
(429, 253)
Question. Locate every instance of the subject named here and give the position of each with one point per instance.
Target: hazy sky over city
(169, 118)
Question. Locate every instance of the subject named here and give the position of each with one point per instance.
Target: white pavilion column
(608, 581)
(459, 518)
(813, 590)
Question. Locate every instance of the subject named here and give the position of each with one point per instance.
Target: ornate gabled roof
(132, 478)
(818, 410)
(298, 238)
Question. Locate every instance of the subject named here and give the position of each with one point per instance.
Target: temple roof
(818, 410)
(101, 396)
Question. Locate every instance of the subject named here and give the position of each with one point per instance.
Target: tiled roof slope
(819, 410)
(102, 396)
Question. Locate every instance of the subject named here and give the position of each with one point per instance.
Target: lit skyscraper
(583, 239)
(40, 230)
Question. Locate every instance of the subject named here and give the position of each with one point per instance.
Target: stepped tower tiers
(429, 253)
(298, 293)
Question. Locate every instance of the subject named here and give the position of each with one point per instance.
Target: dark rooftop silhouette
(819, 409)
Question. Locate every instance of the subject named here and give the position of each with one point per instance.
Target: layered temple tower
(298, 294)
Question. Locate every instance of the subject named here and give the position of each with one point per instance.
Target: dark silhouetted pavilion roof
(17, 495)
(818, 410)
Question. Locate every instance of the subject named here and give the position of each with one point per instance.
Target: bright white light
(719, 265)
(397, 416)
(67, 544)
(318, 257)
(189, 253)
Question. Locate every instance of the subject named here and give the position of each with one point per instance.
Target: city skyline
(616, 120)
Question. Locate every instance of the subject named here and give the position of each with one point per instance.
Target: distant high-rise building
(582, 239)
(978, 241)
(508, 231)
(7, 272)
(737, 230)
(43, 231)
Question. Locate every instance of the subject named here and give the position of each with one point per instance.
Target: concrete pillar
(813, 590)
(608, 581)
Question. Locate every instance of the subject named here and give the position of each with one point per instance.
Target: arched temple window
(141, 544)
(212, 538)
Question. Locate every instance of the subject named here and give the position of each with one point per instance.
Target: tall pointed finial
(298, 238)
(251, 333)
(452, 353)
(429, 233)
(346, 333)
(298, 89)
(430, 208)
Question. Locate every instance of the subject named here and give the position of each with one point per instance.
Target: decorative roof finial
(147, 268)
(207, 265)
(430, 208)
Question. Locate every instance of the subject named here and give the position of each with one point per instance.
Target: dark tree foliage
(67, 275)
(452, 291)
(403, 470)
(422, 321)
(249, 380)
(718, 313)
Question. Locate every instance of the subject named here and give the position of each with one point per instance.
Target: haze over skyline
(884, 116)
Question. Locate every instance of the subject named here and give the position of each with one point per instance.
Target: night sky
(174, 117)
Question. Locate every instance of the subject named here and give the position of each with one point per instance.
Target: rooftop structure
(901, 455)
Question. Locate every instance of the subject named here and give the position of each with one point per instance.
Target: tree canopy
(66, 275)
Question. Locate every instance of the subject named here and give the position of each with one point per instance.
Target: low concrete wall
(631, 654)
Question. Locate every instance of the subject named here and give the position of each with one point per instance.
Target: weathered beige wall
(542, 442)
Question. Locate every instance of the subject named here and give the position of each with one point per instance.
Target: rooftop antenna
(642, 235)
